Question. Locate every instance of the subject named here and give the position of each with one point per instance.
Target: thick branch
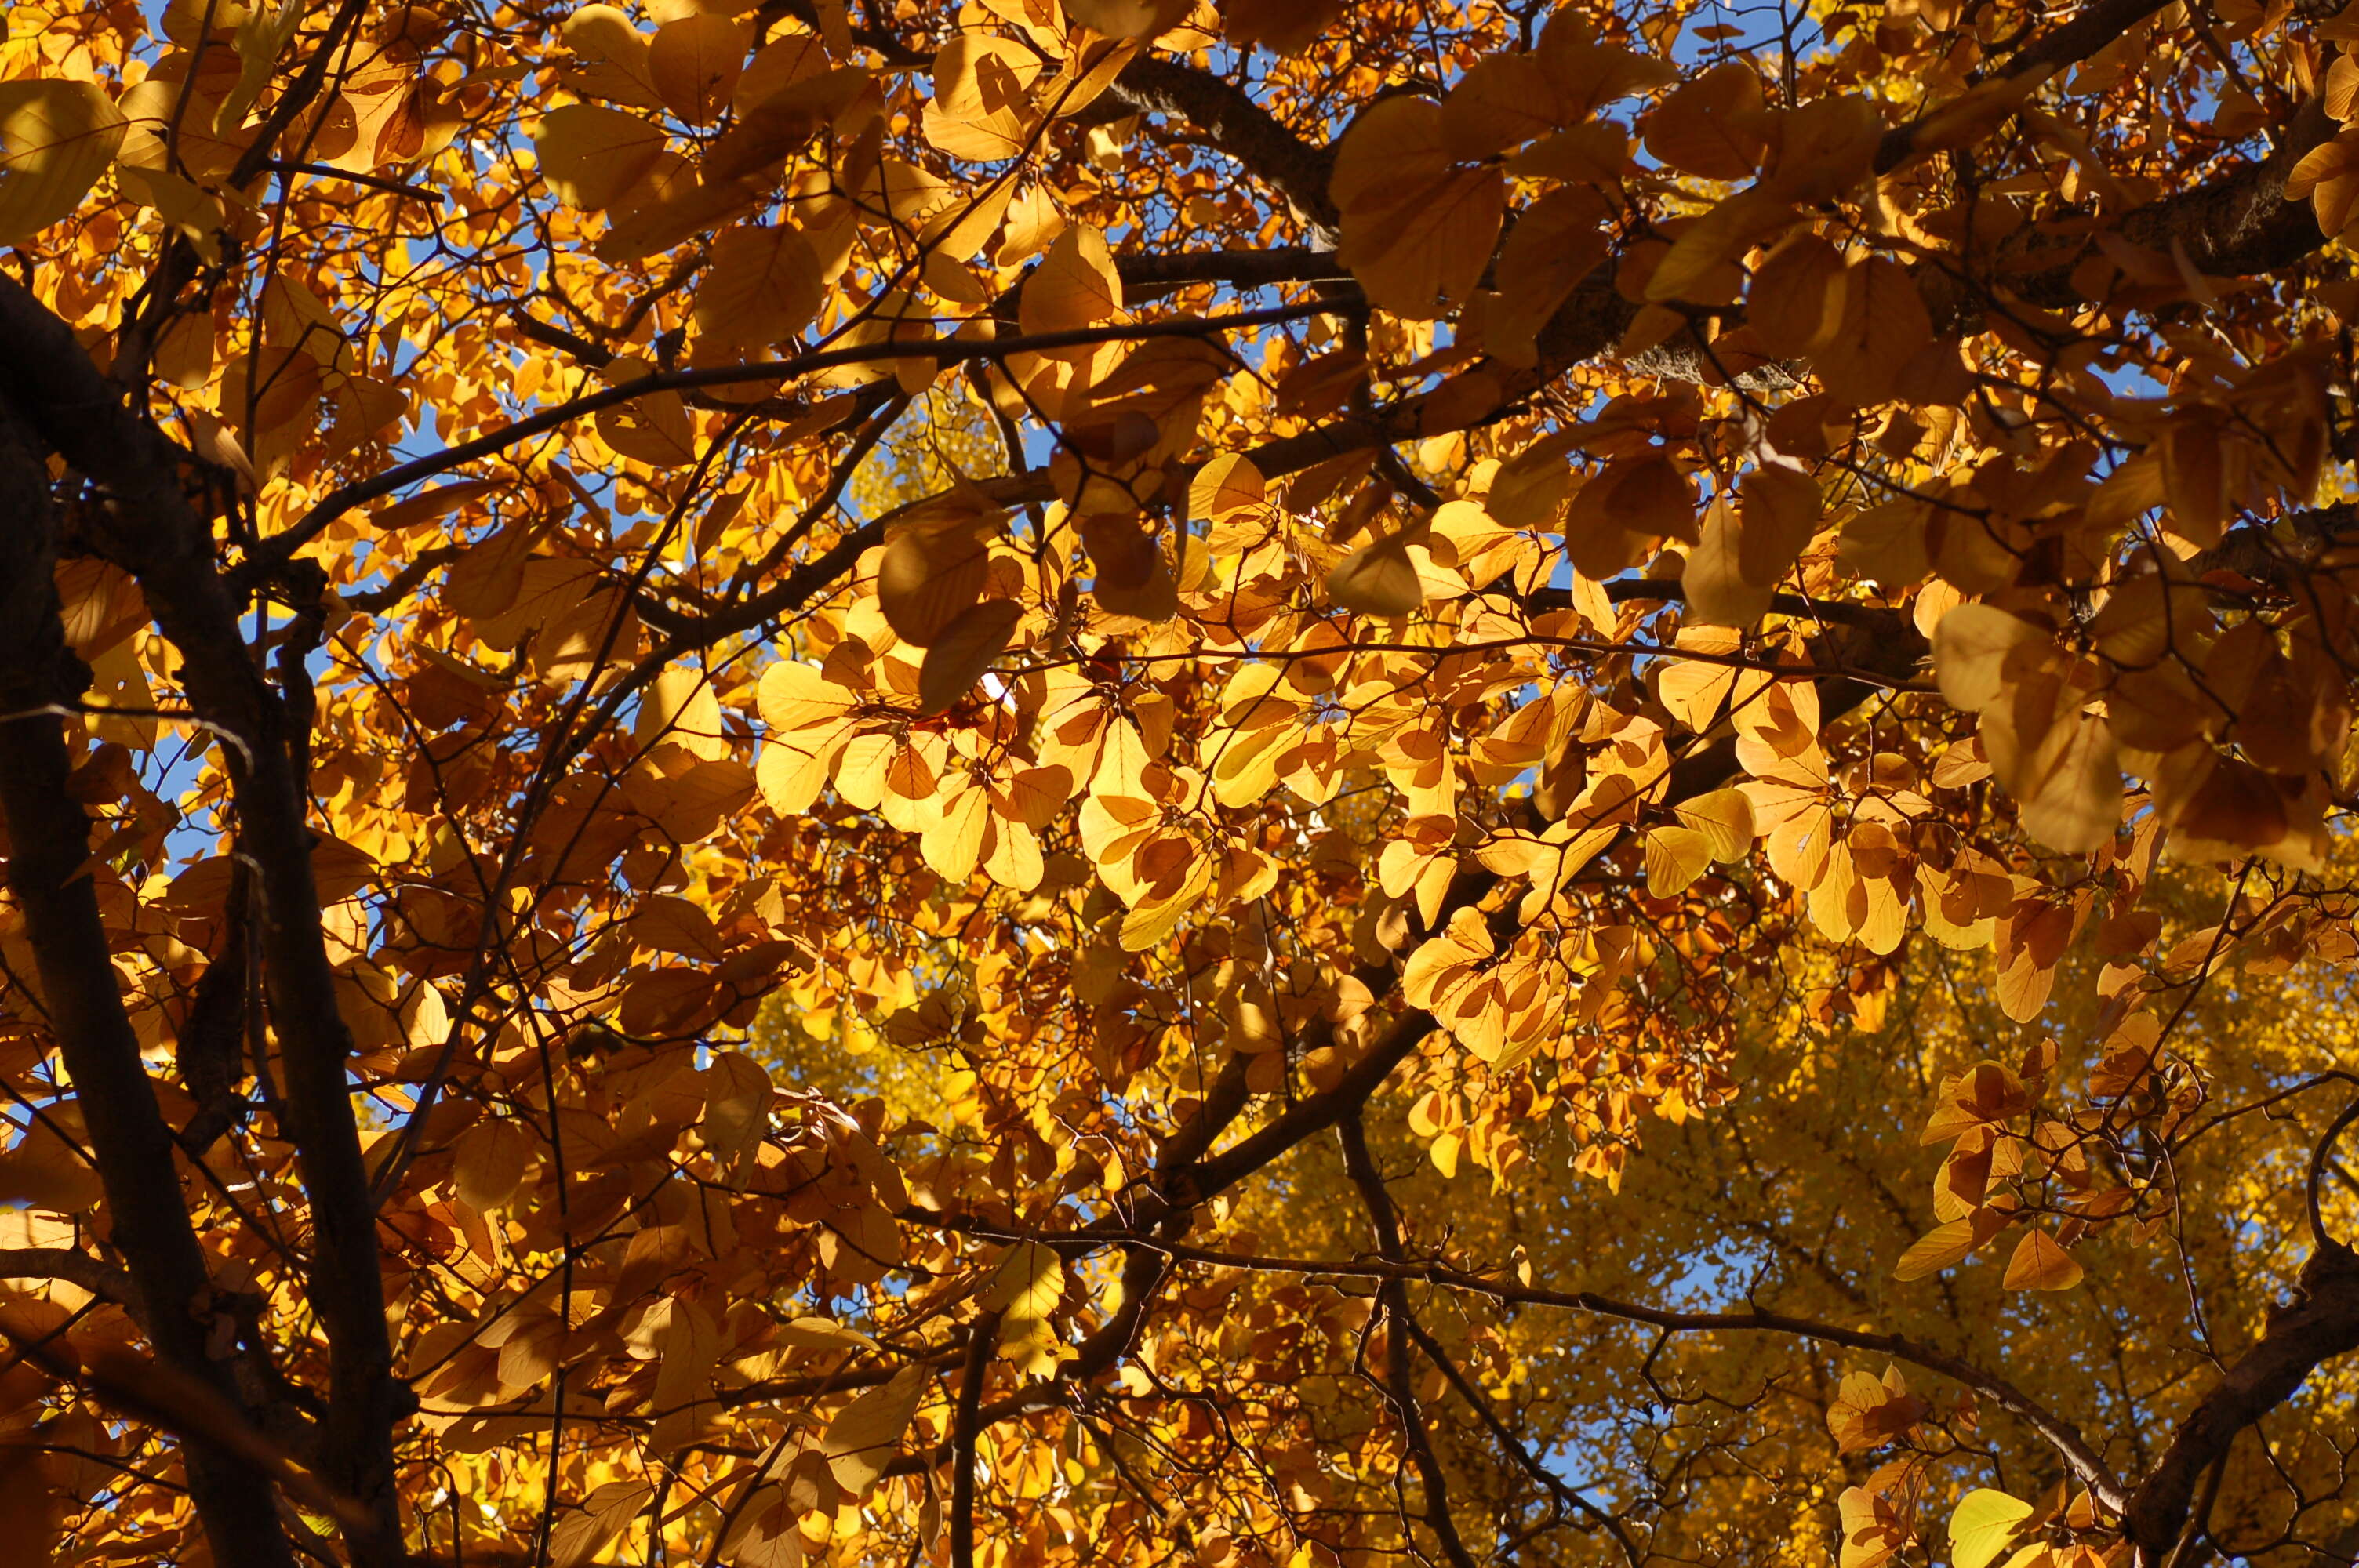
(2320, 1322)
(49, 839)
(74, 1267)
(2237, 224)
(151, 531)
(1243, 129)
(966, 1435)
(2076, 40)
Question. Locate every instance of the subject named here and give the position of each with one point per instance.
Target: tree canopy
(1278, 785)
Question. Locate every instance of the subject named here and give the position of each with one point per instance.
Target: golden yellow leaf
(1025, 1289)
(1706, 245)
(966, 226)
(1724, 816)
(976, 74)
(952, 843)
(582, 1536)
(1503, 100)
(1971, 114)
(1822, 149)
(931, 573)
(56, 138)
(1714, 583)
(694, 62)
(1869, 1412)
(861, 1438)
(1557, 242)
(1698, 691)
(795, 696)
(663, 212)
(1940, 1247)
(1128, 18)
(1715, 126)
(1075, 286)
(619, 70)
(1873, 1529)
(1781, 507)
(490, 1160)
(763, 285)
(772, 126)
(195, 211)
(1973, 645)
(1796, 300)
(1225, 484)
(1417, 227)
(592, 158)
(2039, 1264)
(1585, 75)
(679, 708)
(1981, 1525)
(783, 62)
(655, 429)
(1882, 326)
(1676, 857)
(2328, 176)
(2069, 785)
(1289, 26)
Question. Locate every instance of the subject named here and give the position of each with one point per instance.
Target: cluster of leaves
(789, 779)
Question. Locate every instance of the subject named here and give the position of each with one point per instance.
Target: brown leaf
(1378, 579)
(968, 646)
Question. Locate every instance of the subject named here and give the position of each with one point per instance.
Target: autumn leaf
(1025, 1289)
(582, 1535)
(694, 61)
(930, 576)
(594, 157)
(2039, 1264)
(1418, 228)
(664, 876)
(1981, 1525)
(764, 286)
(1869, 1410)
(1973, 648)
(1713, 125)
(1378, 579)
(1713, 581)
(862, 1437)
(1873, 1531)
(968, 647)
(57, 137)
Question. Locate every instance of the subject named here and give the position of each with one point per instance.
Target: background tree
(1125, 782)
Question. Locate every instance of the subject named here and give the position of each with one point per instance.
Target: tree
(1121, 782)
